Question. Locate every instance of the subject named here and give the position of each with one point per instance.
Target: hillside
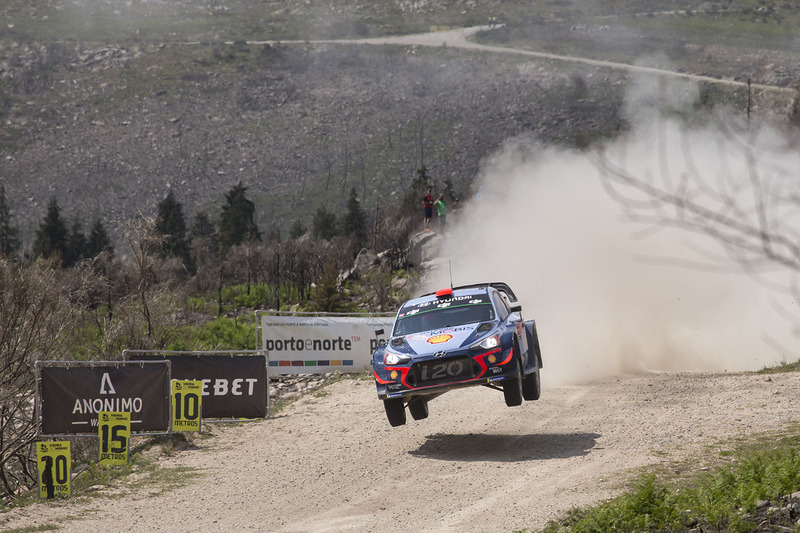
(105, 105)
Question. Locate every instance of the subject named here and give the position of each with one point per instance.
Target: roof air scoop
(443, 294)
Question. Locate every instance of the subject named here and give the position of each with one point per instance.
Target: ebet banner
(321, 344)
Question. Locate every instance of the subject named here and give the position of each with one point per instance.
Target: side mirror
(515, 316)
(516, 309)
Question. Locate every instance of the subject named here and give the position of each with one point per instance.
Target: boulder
(423, 247)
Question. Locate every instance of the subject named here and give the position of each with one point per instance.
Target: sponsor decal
(439, 339)
(413, 308)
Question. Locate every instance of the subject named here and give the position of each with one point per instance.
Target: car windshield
(442, 317)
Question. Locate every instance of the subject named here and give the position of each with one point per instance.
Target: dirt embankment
(331, 462)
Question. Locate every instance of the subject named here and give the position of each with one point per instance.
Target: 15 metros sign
(70, 395)
(318, 344)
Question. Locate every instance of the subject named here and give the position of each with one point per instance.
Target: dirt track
(331, 462)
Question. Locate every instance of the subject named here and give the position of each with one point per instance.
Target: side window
(502, 308)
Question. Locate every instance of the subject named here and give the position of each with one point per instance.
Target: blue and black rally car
(457, 337)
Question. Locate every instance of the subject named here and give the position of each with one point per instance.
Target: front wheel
(512, 390)
(532, 386)
(418, 407)
(395, 411)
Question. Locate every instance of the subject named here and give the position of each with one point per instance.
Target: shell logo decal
(438, 339)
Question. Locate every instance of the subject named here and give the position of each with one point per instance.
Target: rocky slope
(106, 123)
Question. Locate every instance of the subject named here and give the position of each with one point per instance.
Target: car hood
(429, 342)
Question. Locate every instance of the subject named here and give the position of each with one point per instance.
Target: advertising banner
(71, 396)
(321, 344)
(233, 386)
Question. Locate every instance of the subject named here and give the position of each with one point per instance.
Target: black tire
(533, 341)
(532, 386)
(395, 411)
(418, 407)
(512, 389)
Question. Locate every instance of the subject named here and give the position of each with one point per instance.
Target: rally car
(457, 337)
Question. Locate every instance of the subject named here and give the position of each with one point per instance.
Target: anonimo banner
(71, 394)
(320, 344)
(234, 383)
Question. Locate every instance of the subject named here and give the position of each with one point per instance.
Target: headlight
(392, 358)
(487, 344)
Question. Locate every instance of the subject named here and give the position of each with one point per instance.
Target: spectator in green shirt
(441, 211)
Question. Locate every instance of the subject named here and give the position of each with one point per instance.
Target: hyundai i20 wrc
(457, 337)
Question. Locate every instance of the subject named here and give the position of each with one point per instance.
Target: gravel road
(331, 462)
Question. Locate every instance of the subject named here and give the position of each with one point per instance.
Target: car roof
(428, 302)
(432, 297)
(481, 288)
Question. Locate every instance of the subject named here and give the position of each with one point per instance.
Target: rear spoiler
(499, 285)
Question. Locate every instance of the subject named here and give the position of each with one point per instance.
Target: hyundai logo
(439, 354)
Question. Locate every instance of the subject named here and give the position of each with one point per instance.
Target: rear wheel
(512, 389)
(418, 407)
(532, 386)
(395, 411)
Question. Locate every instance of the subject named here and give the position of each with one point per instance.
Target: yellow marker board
(187, 399)
(54, 462)
(114, 430)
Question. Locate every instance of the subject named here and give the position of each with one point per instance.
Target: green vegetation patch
(231, 333)
(724, 498)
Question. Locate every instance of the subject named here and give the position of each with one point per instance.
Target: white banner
(321, 344)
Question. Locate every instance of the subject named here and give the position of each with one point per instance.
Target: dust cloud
(613, 296)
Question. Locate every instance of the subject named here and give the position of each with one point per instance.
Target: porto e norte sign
(319, 344)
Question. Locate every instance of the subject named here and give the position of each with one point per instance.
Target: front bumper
(438, 375)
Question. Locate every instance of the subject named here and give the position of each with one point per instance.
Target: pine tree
(203, 228)
(77, 245)
(52, 237)
(9, 239)
(99, 241)
(237, 220)
(171, 225)
(354, 222)
(204, 232)
(323, 226)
